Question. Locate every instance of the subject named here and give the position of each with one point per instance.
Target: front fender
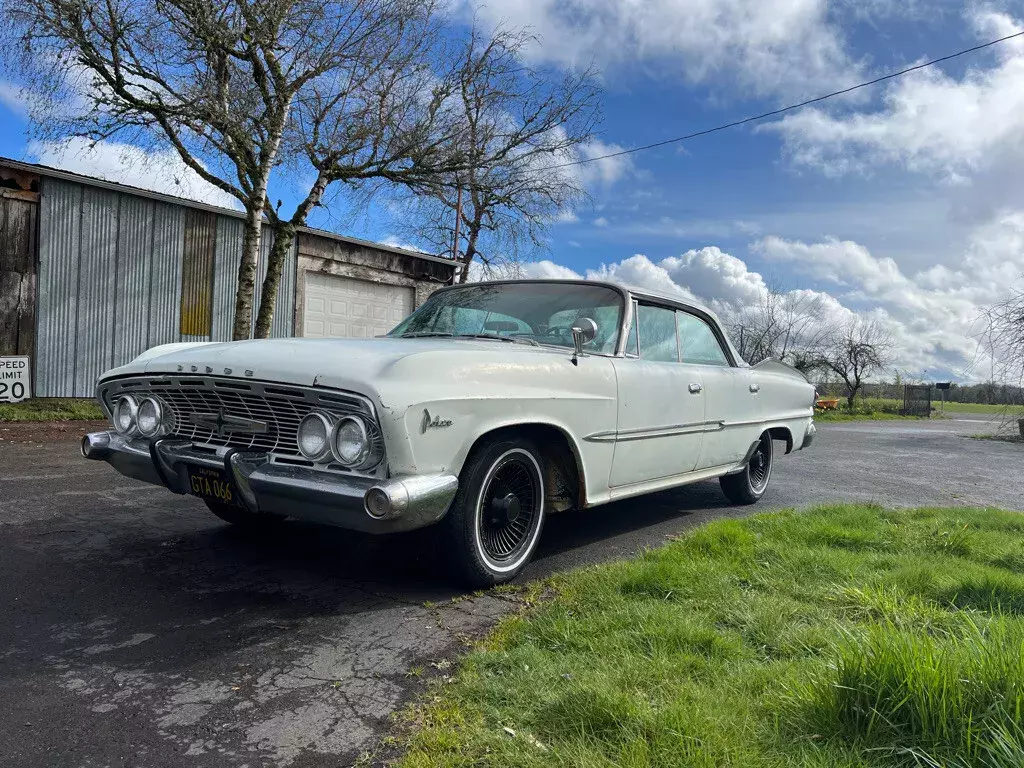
(436, 431)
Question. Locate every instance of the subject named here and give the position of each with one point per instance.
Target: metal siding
(97, 285)
(165, 286)
(134, 278)
(59, 241)
(197, 275)
(227, 256)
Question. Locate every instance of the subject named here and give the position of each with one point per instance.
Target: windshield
(536, 313)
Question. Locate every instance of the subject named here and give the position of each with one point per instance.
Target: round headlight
(150, 417)
(124, 414)
(351, 443)
(314, 436)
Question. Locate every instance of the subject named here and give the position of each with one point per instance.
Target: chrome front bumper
(399, 504)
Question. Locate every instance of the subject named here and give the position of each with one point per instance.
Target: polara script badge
(433, 423)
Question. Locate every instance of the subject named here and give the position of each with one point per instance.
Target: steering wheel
(561, 331)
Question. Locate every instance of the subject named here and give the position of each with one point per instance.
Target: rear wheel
(242, 517)
(748, 486)
(496, 518)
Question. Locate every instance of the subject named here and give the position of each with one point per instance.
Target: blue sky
(903, 203)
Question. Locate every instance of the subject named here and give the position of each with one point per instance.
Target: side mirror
(584, 331)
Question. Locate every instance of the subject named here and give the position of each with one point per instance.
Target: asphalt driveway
(136, 629)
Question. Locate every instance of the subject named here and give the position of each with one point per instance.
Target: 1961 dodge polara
(490, 407)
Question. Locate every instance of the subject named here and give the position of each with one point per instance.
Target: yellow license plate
(212, 485)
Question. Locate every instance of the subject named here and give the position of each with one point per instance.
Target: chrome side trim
(747, 423)
(646, 433)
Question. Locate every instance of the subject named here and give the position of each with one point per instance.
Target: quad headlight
(345, 440)
(152, 418)
(350, 442)
(125, 413)
(315, 436)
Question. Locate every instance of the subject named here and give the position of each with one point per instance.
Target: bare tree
(856, 351)
(790, 326)
(1003, 338)
(237, 87)
(516, 125)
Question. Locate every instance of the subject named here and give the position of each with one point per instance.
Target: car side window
(697, 342)
(657, 330)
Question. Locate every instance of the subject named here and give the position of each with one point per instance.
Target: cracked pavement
(137, 629)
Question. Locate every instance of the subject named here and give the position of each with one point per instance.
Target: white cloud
(600, 221)
(768, 47)
(13, 98)
(600, 172)
(158, 170)
(932, 315)
(396, 242)
(930, 122)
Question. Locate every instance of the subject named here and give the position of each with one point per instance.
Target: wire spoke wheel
(760, 465)
(509, 507)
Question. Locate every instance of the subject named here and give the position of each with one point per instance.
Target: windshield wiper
(510, 339)
(425, 334)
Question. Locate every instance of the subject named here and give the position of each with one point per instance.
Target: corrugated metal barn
(92, 273)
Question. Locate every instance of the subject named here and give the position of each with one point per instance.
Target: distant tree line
(989, 393)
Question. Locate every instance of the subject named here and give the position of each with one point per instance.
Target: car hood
(341, 363)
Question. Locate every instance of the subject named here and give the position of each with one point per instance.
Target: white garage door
(344, 307)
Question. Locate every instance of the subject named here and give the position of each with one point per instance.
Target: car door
(730, 393)
(660, 403)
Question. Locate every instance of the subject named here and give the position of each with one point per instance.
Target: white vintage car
(490, 407)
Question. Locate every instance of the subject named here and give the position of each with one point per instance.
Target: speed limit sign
(15, 379)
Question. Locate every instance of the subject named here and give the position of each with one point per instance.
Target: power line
(791, 107)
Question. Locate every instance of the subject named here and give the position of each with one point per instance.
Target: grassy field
(982, 408)
(51, 409)
(846, 636)
(882, 408)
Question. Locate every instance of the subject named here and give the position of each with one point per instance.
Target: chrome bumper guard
(347, 501)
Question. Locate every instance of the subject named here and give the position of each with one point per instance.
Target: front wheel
(748, 486)
(497, 515)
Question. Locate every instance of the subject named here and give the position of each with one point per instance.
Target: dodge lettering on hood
(490, 407)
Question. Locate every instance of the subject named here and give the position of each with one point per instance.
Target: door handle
(755, 388)
(695, 388)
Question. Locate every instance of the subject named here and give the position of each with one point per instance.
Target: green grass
(51, 409)
(844, 636)
(982, 408)
(859, 415)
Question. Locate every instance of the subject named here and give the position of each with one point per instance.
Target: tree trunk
(852, 396)
(284, 236)
(247, 272)
(470, 254)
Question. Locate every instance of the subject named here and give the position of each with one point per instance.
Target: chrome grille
(280, 406)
